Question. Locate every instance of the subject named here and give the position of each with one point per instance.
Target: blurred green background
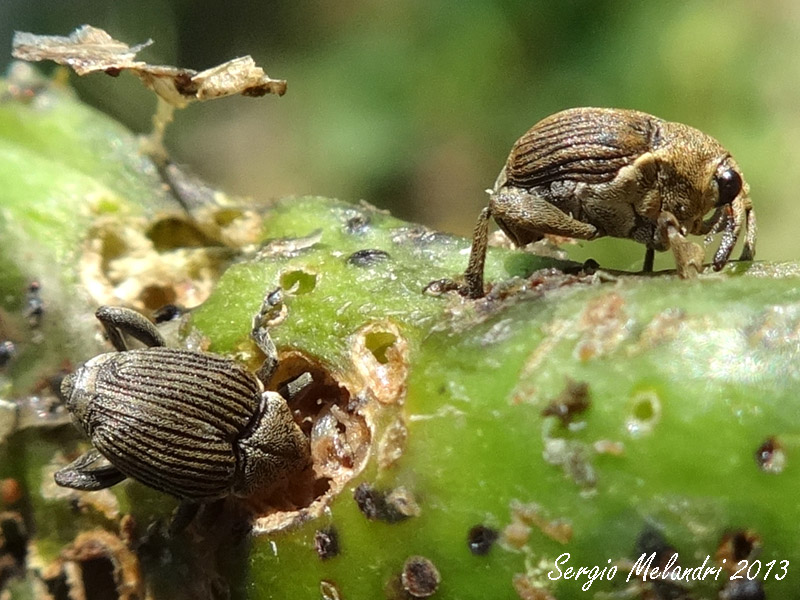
(413, 105)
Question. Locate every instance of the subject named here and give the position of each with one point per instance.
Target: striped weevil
(195, 425)
(591, 172)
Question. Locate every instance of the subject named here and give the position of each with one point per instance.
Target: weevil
(195, 425)
(591, 172)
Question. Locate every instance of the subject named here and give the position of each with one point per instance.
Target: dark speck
(184, 84)
(652, 540)
(7, 352)
(770, 456)
(480, 539)
(572, 401)
(35, 306)
(590, 266)
(357, 224)
(326, 542)
(367, 258)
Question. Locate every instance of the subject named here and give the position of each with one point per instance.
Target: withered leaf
(86, 50)
(89, 49)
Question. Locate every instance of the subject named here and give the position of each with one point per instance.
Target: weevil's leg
(192, 192)
(89, 472)
(688, 255)
(118, 322)
(649, 259)
(749, 249)
(714, 224)
(729, 236)
(526, 216)
(272, 309)
(473, 276)
(182, 516)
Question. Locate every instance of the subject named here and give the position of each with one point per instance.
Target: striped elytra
(169, 418)
(197, 426)
(588, 145)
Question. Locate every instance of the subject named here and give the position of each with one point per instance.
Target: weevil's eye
(729, 184)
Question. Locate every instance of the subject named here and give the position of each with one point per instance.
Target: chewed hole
(14, 536)
(378, 343)
(339, 438)
(58, 587)
(225, 217)
(98, 578)
(298, 282)
(172, 232)
(112, 247)
(739, 545)
(645, 412)
(96, 565)
(644, 409)
(156, 296)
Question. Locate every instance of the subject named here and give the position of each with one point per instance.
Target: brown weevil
(592, 172)
(194, 425)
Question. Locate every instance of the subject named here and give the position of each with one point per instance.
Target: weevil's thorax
(688, 160)
(79, 390)
(271, 447)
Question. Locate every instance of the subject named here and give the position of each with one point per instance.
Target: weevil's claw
(749, 249)
(688, 255)
(441, 286)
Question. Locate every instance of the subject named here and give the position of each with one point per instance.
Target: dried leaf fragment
(89, 49)
(85, 50)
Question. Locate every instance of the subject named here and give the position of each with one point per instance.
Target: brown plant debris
(420, 577)
(527, 590)
(737, 545)
(391, 507)
(89, 49)
(328, 590)
(392, 444)
(770, 456)
(380, 355)
(532, 514)
(571, 402)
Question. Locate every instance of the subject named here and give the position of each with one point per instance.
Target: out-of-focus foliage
(414, 105)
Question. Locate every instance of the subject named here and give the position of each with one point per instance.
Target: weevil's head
(697, 175)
